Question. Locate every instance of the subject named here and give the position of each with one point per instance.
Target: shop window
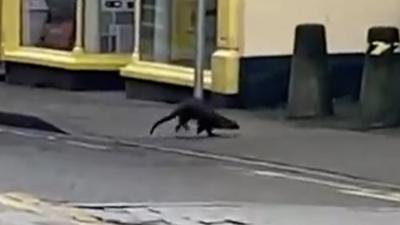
(109, 26)
(48, 23)
(167, 31)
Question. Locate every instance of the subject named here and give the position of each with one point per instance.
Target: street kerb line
(72, 139)
(220, 157)
(342, 188)
(286, 168)
(265, 164)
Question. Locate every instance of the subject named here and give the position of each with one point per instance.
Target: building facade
(148, 46)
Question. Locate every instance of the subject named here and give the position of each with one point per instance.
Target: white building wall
(269, 25)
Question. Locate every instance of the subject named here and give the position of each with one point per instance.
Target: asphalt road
(72, 171)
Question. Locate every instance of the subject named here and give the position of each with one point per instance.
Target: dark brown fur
(194, 109)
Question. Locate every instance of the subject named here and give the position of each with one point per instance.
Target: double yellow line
(28, 203)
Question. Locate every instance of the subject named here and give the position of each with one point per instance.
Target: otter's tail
(163, 120)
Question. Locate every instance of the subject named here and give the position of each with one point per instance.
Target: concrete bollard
(309, 87)
(379, 97)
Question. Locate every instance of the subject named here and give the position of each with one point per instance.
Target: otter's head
(229, 124)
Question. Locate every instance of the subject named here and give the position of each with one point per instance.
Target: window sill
(67, 60)
(164, 73)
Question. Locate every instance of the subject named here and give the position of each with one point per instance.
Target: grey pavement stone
(53, 222)
(205, 215)
(18, 218)
(276, 215)
(128, 216)
(198, 215)
(175, 216)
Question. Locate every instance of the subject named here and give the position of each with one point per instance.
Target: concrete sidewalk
(368, 155)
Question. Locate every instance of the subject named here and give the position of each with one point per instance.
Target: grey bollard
(309, 87)
(379, 97)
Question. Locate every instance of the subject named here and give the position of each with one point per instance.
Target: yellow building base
(75, 60)
(223, 78)
(163, 82)
(65, 70)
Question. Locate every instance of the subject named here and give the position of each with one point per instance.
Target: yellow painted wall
(269, 24)
(74, 60)
(183, 28)
(223, 78)
(10, 24)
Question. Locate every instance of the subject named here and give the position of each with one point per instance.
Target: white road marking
(339, 187)
(25, 134)
(387, 196)
(51, 138)
(304, 179)
(86, 145)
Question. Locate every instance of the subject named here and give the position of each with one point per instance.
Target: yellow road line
(28, 203)
(20, 201)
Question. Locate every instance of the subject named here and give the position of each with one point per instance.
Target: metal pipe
(200, 44)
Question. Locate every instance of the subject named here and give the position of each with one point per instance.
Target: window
(167, 31)
(48, 23)
(109, 26)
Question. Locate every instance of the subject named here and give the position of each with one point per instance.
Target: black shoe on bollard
(379, 97)
(309, 88)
